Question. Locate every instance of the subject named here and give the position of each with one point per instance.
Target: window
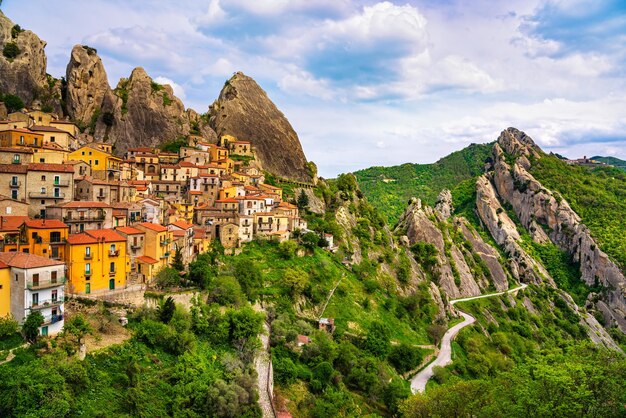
(16, 159)
(43, 178)
(88, 268)
(36, 279)
(57, 192)
(89, 152)
(22, 140)
(87, 288)
(112, 248)
(35, 299)
(112, 267)
(55, 295)
(55, 236)
(43, 190)
(14, 181)
(83, 153)
(97, 162)
(87, 252)
(57, 180)
(42, 160)
(53, 276)
(35, 141)
(14, 194)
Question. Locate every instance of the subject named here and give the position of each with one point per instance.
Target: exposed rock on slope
(455, 240)
(244, 111)
(87, 83)
(538, 208)
(138, 112)
(24, 75)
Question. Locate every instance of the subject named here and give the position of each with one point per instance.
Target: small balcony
(101, 196)
(44, 284)
(86, 218)
(136, 246)
(48, 303)
(61, 183)
(46, 195)
(114, 253)
(52, 319)
(15, 183)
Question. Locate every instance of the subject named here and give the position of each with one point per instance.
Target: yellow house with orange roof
(46, 237)
(158, 245)
(96, 261)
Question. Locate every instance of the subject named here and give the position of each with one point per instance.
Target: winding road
(419, 381)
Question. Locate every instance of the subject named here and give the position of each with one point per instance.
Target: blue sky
(373, 82)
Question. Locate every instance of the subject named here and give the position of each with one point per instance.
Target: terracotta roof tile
(146, 260)
(153, 227)
(182, 224)
(129, 230)
(82, 238)
(44, 223)
(60, 168)
(109, 235)
(26, 261)
(13, 168)
(12, 223)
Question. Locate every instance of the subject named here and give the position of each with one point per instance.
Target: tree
(287, 249)
(249, 276)
(12, 102)
(167, 277)
(30, 328)
(436, 332)
(377, 341)
(8, 326)
(244, 324)
(310, 240)
(11, 50)
(78, 327)
(404, 358)
(177, 263)
(303, 200)
(295, 280)
(166, 309)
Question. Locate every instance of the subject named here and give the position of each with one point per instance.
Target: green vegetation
(173, 146)
(16, 30)
(11, 51)
(90, 50)
(156, 87)
(122, 92)
(598, 195)
(578, 381)
(389, 188)
(166, 99)
(12, 102)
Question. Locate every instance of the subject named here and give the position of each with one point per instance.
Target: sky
(369, 83)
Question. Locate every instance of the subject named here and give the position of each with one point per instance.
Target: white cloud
(179, 91)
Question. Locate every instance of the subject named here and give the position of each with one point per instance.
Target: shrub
(30, 328)
(8, 327)
(404, 358)
(12, 102)
(16, 30)
(11, 50)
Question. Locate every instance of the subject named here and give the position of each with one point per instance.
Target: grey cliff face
(244, 111)
(24, 75)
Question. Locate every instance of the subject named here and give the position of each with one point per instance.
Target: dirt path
(263, 366)
(11, 356)
(419, 381)
(332, 292)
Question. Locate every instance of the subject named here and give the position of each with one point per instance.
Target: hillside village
(82, 220)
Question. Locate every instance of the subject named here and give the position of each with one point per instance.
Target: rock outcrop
(25, 74)
(457, 271)
(548, 217)
(87, 83)
(244, 111)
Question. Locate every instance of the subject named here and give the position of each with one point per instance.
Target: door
(111, 284)
(87, 288)
(44, 331)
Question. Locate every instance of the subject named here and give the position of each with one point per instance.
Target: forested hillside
(389, 188)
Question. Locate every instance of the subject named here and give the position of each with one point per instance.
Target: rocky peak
(244, 111)
(87, 83)
(517, 143)
(25, 74)
(443, 206)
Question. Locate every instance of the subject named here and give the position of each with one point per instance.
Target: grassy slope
(420, 180)
(598, 195)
